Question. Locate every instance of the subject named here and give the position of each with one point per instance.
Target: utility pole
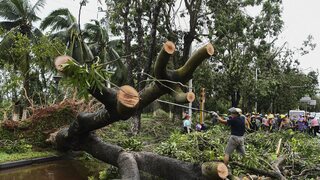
(256, 101)
(202, 100)
(190, 87)
(190, 103)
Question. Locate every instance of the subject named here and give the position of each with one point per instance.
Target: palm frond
(8, 25)
(20, 6)
(56, 23)
(39, 4)
(96, 32)
(8, 10)
(60, 19)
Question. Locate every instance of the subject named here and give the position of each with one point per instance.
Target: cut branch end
(214, 170)
(127, 101)
(210, 49)
(61, 60)
(128, 96)
(191, 96)
(169, 47)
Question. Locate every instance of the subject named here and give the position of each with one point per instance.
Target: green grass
(154, 130)
(4, 157)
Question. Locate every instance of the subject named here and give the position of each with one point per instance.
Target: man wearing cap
(236, 140)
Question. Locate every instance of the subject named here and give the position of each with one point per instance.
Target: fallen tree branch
(271, 174)
(276, 165)
(128, 166)
(304, 172)
(167, 168)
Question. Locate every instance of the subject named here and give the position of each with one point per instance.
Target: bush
(131, 144)
(16, 146)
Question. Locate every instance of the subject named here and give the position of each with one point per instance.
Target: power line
(179, 105)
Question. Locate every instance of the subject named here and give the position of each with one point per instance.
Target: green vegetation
(154, 130)
(164, 137)
(27, 139)
(36, 130)
(161, 135)
(7, 157)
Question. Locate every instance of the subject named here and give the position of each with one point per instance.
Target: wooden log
(164, 167)
(184, 73)
(150, 93)
(182, 97)
(128, 166)
(214, 170)
(128, 99)
(162, 60)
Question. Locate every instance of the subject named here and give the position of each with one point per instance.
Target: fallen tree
(120, 104)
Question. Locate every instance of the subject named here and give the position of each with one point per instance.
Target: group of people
(269, 122)
(187, 124)
(239, 123)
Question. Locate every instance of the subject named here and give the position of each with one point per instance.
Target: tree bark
(153, 39)
(130, 162)
(127, 41)
(136, 119)
(136, 123)
(235, 98)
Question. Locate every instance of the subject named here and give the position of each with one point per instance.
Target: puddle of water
(56, 170)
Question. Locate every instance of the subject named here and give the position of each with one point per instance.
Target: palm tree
(19, 16)
(98, 39)
(58, 20)
(64, 26)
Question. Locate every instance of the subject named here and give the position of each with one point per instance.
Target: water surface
(56, 170)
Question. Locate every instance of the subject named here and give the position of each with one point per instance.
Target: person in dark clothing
(253, 123)
(236, 140)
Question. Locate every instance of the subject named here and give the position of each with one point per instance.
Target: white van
(295, 114)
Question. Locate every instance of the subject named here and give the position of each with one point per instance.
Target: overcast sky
(300, 18)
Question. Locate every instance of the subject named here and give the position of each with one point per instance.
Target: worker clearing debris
(236, 140)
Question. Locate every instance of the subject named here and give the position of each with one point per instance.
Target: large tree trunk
(26, 80)
(127, 42)
(136, 119)
(136, 123)
(193, 8)
(235, 98)
(79, 137)
(153, 39)
(125, 102)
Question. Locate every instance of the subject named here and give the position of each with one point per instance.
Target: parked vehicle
(295, 114)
